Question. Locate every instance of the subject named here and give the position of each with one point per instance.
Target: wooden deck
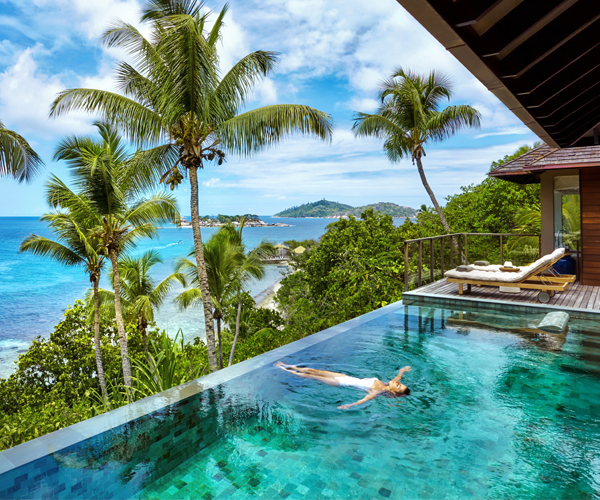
(577, 296)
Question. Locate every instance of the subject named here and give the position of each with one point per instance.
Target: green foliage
(55, 380)
(35, 421)
(253, 318)
(225, 219)
(167, 367)
(357, 267)
(297, 243)
(262, 341)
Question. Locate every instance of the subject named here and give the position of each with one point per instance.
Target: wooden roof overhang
(541, 58)
(526, 168)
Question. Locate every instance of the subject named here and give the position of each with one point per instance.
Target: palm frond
(264, 127)
(140, 124)
(17, 157)
(39, 245)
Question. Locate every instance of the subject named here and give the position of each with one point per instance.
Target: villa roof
(540, 58)
(524, 169)
(279, 245)
(299, 249)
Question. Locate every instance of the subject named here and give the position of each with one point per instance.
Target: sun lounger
(529, 277)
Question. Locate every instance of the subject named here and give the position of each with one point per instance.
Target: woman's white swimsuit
(364, 384)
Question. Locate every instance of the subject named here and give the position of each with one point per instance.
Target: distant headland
(334, 210)
(221, 220)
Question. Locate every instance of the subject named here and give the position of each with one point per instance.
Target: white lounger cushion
(502, 277)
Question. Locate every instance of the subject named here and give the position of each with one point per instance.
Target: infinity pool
(493, 413)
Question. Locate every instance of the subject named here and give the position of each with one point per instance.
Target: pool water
(490, 415)
(493, 413)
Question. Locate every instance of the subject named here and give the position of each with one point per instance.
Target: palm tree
(17, 157)
(251, 266)
(141, 296)
(106, 176)
(409, 117)
(222, 259)
(178, 105)
(74, 247)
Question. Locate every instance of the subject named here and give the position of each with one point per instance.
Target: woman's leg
(326, 380)
(311, 371)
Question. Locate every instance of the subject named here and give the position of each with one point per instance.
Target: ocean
(35, 291)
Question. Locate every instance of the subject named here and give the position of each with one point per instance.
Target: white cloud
(365, 105)
(211, 183)
(516, 130)
(266, 92)
(27, 94)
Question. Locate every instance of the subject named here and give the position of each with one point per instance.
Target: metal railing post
(442, 256)
(459, 249)
(420, 281)
(466, 250)
(406, 266)
(431, 273)
(451, 252)
(501, 251)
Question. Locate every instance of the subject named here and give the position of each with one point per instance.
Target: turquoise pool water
(493, 413)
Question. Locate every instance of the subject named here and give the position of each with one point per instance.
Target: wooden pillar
(431, 264)
(420, 280)
(590, 225)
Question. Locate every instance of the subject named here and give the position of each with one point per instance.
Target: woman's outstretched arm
(402, 371)
(373, 395)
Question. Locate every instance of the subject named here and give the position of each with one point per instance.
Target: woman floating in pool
(373, 386)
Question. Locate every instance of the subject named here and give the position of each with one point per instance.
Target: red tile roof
(524, 168)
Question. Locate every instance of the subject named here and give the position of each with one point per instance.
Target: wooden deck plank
(580, 299)
(597, 301)
(590, 304)
(575, 296)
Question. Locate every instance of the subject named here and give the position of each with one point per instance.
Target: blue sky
(334, 53)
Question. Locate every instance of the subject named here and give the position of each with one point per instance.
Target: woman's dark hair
(392, 394)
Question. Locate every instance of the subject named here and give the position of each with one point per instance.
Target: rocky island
(221, 220)
(333, 210)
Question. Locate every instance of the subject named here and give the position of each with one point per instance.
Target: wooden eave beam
(555, 66)
(565, 94)
(519, 69)
(556, 124)
(429, 18)
(535, 28)
(573, 101)
(497, 11)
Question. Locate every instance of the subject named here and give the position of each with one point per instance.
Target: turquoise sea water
(492, 414)
(35, 291)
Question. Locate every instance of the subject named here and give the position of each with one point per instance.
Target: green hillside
(385, 208)
(324, 208)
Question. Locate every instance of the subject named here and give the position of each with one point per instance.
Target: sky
(333, 56)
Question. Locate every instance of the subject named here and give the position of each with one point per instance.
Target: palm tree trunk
(145, 342)
(432, 196)
(220, 343)
(120, 325)
(202, 276)
(99, 365)
(237, 328)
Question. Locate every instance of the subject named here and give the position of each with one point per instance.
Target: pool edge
(24, 453)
